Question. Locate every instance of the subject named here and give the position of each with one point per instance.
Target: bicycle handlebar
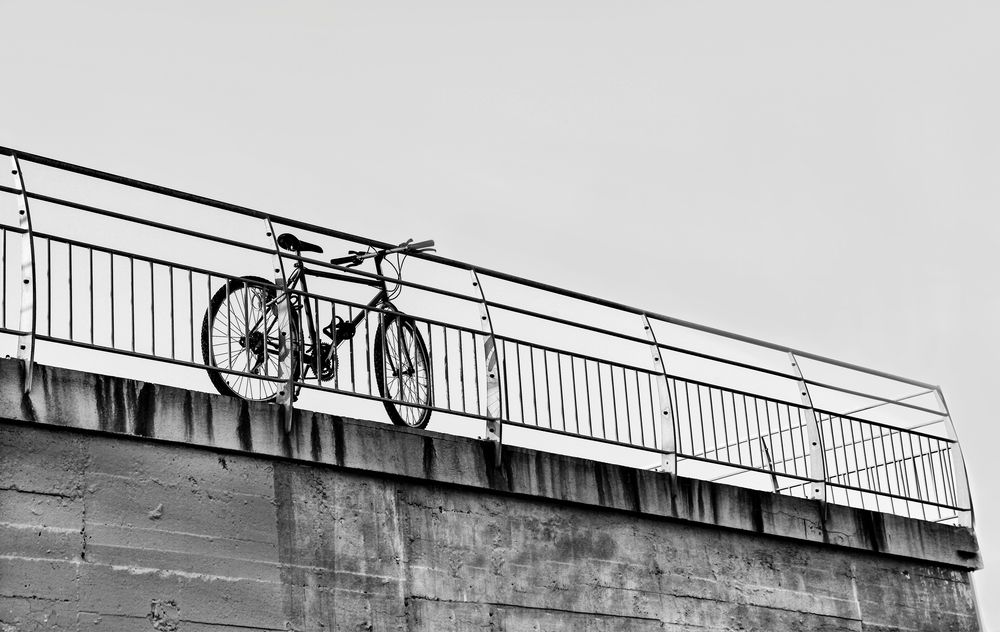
(356, 257)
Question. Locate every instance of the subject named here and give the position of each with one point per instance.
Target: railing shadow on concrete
(95, 275)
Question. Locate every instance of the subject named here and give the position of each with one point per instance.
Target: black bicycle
(253, 328)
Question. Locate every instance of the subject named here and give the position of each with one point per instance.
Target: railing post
(286, 393)
(817, 457)
(494, 408)
(28, 318)
(963, 496)
(668, 436)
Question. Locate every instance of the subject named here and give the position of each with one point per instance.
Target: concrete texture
(130, 506)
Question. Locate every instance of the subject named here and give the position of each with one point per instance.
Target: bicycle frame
(297, 280)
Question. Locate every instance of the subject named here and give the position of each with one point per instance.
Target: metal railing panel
(559, 367)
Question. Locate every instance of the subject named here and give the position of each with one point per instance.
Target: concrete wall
(128, 506)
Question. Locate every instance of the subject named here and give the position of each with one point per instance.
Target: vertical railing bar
(701, 426)
(350, 347)
(3, 266)
(447, 380)
(69, 281)
(652, 408)
(791, 437)
(534, 385)
(836, 475)
(770, 435)
(562, 400)
(949, 481)
(368, 355)
(949, 478)
(173, 345)
(895, 461)
(921, 493)
(475, 374)
(318, 344)
(191, 309)
(725, 424)
(711, 415)
(600, 397)
(885, 466)
(382, 338)
(614, 398)
(229, 324)
(548, 391)
(628, 412)
(430, 352)
(152, 310)
(131, 276)
(736, 428)
(90, 269)
(111, 266)
(461, 368)
(576, 407)
(520, 382)
(333, 319)
(638, 411)
(923, 467)
(48, 279)
(931, 452)
(857, 462)
(746, 416)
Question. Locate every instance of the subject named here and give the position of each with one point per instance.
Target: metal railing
(94, 276)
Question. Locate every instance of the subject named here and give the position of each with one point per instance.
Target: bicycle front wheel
(242, 333)
(403, 371)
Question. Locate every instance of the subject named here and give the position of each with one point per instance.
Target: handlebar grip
(339, 261)
(420, 245)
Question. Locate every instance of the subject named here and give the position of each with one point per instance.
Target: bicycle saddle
(289, 241)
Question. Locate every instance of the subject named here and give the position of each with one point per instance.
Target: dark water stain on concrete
(243, 432)
(499, 471)
(286, 436)
(188, 415)
(631, 481)
(600, 482)
(206, 407)
(756, 512)
(337, 427)
(873, 526)
(430, 453)
(315, 446)
(145, 410)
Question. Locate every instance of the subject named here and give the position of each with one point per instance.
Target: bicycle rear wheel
(242, 332)
(403, 371)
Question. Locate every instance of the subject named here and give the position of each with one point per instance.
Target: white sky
(823, 175)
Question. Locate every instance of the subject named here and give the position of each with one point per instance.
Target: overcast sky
(823, 175)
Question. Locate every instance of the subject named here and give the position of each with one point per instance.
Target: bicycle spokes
(406, 370)
(247, 336)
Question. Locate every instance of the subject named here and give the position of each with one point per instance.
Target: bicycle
(244, 325)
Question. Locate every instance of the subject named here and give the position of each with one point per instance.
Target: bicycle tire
(414, 383)
(228, 343)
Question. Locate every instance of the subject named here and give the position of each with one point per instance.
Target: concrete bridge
(132, 506)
